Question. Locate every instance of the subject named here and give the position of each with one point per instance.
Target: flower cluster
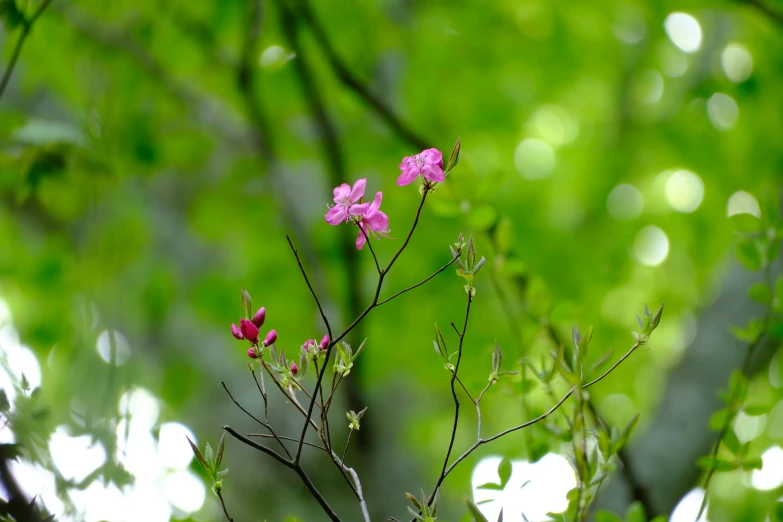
(249, 329)
(349, 205)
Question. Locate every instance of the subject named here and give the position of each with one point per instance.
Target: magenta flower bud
(294, 369)
(259, 318)
(308, 344)
(252, 353)
(236, 332)
(271, 337)
(324, 342)
(249, 330)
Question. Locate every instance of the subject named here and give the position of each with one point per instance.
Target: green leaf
(738, 386)
(492, 486)
(755, 410)
(625, 434)
(750, 255)
(10, 14)
(636, 513)
(221, 447)
(497, 358)
(752, 463)
(475, 512)
(731, 441)
(745, 223)
(5, 406)
(413, 500)
(719, 419)
(200, 457)
(359, 350)
(761, 293)
(453, 157)
(607, 516)
(504, 471)
(247, 304)
(209, 455)
(440, 344)
(717, 464)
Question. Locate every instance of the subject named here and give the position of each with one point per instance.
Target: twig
(438, 271)
(312, 291)
(262, 390)
(27, 25)
(264, 424)
(348, 441)
(456, 403)
(766, 10)
(223, 503)
(266, 436)
(347, 78)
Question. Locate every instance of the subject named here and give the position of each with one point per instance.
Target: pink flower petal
(433, 156)
(433, 173)
(342, 192)
(359, 209)
(376, 203)
(358, 190)
(360, 240)
(407, 176)
(336, 215)
(378, 221)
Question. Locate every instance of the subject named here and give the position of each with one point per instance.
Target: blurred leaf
(760, 292)
(716, 464)
(504, 471)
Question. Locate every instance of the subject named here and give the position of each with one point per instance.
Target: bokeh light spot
(684, 191)
(184, 491)
(625, 202)
(742, 202)
(75, 457)
(688, 507)
(651, 246)
(534, 158)
(550, 480)
(722, 111)
(175, 452)
(770, 476)
(684, 31)
(121, 347)
(737, 62)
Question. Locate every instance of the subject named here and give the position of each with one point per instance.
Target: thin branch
(372, 250)
(456, 403)
(312, 292)
(287, 463)
(347, 78)
(410, 234)
(291, 439)
(438, 271)
(253, 444)
(348, 441)
(27, 26)
(264, 424)
(262, 391)
(223, 503)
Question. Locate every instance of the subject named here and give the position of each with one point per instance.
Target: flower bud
(252, 353)
(324, 342)
(259, 318)
(294, 369)
(236, 332)
(308, 344)
(249, 330)
(271, 337)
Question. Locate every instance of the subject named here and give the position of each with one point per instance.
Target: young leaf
(247, 304)
(440, 344)
(491, 485)
(754, 463)
(475, 512)
(453, 157)
(413, 500)
(626, 433)
(607, 516)
(731, 441)
(358, 351)
(497, 358)
(716, 464)
(199, 457)
(504, 471)
(761, 293)
(5, 405)
(221, 447)
(636, 513)
(209, 455)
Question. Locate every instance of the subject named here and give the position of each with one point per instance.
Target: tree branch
(27, 26)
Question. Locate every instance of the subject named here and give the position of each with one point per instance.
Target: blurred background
(153, 156)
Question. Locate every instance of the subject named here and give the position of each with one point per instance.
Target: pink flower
(294, 369)
(259, 318)
(271, 337)
(252, 353)
(345, 197)
(324, 342)
(236, 332)
(249, 330)
(371, 218)
(428, 163)
(308, 344)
